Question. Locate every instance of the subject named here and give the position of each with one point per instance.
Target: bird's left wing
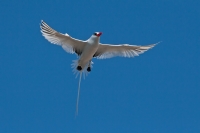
(108, 51)
(69, 44)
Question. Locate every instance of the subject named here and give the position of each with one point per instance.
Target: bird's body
(91, 48)
(88, 51)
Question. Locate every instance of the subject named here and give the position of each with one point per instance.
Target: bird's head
(95, 37)
(97, 34)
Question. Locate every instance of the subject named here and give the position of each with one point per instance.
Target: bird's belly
(87, 55)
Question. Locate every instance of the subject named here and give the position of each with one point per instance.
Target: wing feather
(69, 44)
(108, 51)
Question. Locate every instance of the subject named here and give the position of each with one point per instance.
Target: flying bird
(91, 48)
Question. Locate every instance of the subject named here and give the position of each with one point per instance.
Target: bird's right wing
(69, 44)
(108, 51)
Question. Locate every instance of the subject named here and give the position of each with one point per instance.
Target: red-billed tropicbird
(91, 48)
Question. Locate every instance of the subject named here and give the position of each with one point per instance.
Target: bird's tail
(77, 101)
(83, 71)
(76, 72)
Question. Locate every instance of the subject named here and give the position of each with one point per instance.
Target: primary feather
(108, 51)
(69, 44)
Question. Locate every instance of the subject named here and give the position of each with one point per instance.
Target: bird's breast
(88, 52)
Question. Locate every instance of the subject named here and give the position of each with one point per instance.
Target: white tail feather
(79, 85)
(83, 72)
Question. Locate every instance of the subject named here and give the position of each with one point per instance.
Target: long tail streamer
(83, 72)
(79, 85)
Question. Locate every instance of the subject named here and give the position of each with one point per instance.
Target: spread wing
(108, 51)
(69, 44)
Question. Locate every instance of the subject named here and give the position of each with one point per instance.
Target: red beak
(99, 34)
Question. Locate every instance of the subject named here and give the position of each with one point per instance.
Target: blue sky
(157, 92)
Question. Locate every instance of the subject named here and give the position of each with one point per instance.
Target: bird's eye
(95, 34)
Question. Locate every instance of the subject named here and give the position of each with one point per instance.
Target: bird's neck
(93, 40)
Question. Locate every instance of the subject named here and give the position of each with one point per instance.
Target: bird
(89, 49)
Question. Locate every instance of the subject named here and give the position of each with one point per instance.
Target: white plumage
(91, 48)
(103, 51)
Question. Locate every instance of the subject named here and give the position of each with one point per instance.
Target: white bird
(91, 48)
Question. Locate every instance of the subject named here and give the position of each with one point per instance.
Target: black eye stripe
(95, 34)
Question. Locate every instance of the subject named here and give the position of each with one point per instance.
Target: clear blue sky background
(157, 92)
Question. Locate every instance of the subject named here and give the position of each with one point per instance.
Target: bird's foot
(79, 68)
(89, 69)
